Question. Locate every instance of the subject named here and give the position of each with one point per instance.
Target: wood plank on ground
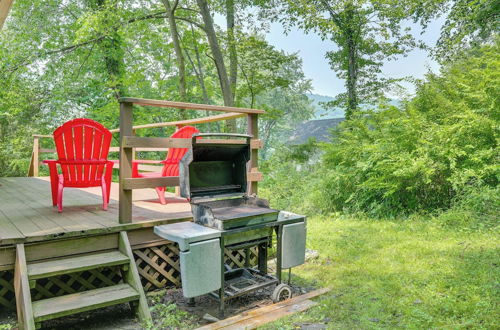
(253, 318)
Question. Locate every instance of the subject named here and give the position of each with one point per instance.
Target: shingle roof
(318, 129)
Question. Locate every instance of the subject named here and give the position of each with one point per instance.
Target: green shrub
(289, 175)
(477, 208)
(422, 157)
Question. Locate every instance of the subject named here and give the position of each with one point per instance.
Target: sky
(312, 50)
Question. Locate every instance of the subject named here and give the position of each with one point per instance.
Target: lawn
(401, 274)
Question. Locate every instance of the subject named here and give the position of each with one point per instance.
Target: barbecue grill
(213, 177)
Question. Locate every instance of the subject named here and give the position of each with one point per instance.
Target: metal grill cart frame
(213, 176)
(259, 275)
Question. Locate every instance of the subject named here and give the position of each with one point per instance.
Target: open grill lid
(215, 168)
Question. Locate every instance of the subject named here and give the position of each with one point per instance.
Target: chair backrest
(174, 155)
(82, 140)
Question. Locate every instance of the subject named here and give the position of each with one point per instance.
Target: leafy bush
(289, 174)
(419, 158)
(475, 209)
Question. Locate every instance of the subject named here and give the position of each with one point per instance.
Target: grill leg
(221, 290)
(279, 234)
(262, 255)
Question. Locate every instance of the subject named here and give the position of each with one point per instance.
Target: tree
(366, 32)
(218, 57)
(174, 34)
(469, 23)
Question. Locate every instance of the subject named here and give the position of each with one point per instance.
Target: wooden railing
(38, 151)
(129, 142)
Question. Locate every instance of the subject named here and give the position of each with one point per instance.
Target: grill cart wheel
(281, 292)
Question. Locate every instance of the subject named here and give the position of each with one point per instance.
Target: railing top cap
(185, 105)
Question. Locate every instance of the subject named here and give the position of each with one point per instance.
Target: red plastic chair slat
(87, 152)
(78, 141)
(96, 153)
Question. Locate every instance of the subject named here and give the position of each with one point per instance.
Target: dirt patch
(208, 305)
(169, 309)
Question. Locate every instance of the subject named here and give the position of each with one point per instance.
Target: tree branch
(36, 55)
(174, 7)
(333, 14)
(191, 22)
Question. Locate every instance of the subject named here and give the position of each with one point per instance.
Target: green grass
(401, 274)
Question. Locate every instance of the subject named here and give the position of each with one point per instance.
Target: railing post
(126, 157)
(133, 150)
(253, 129)
(177, 191)
(35, 158)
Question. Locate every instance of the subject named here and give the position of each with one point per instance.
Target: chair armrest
(84, 162)
(135, 165)
(144, 161)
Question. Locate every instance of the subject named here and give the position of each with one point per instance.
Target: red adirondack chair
(170, 164)
(82, 148)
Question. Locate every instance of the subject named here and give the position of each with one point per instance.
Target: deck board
(27, 215)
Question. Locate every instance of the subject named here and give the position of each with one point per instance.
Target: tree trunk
(216, 53)
(352, 68)
(233, 57)
(198, 69)
(113, 58)
(179, 55)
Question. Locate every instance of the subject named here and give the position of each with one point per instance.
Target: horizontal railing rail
(38, 150)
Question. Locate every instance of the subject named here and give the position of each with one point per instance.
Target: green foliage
(422, 158)
(289, 173)
(468, 24)
(169, 316)
(474, 209)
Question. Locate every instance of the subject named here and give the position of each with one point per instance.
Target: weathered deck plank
(27, 215)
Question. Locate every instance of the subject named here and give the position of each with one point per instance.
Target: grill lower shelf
(241, 281)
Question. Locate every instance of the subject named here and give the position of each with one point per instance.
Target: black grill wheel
(281, 292)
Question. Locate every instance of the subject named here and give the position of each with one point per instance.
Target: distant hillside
(321, 112)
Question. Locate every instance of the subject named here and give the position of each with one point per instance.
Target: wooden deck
(27, 215)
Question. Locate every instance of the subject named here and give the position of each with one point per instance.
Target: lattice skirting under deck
(158, 266)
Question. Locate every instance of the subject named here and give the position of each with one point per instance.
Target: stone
(210, 318)
(311, 254)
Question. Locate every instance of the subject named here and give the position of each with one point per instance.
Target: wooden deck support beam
(253, 167)
(22, 290)
(133, 279)
(126, 158)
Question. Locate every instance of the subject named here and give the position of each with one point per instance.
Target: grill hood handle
(229, 135)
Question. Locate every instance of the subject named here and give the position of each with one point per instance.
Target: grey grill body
(213, 177)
